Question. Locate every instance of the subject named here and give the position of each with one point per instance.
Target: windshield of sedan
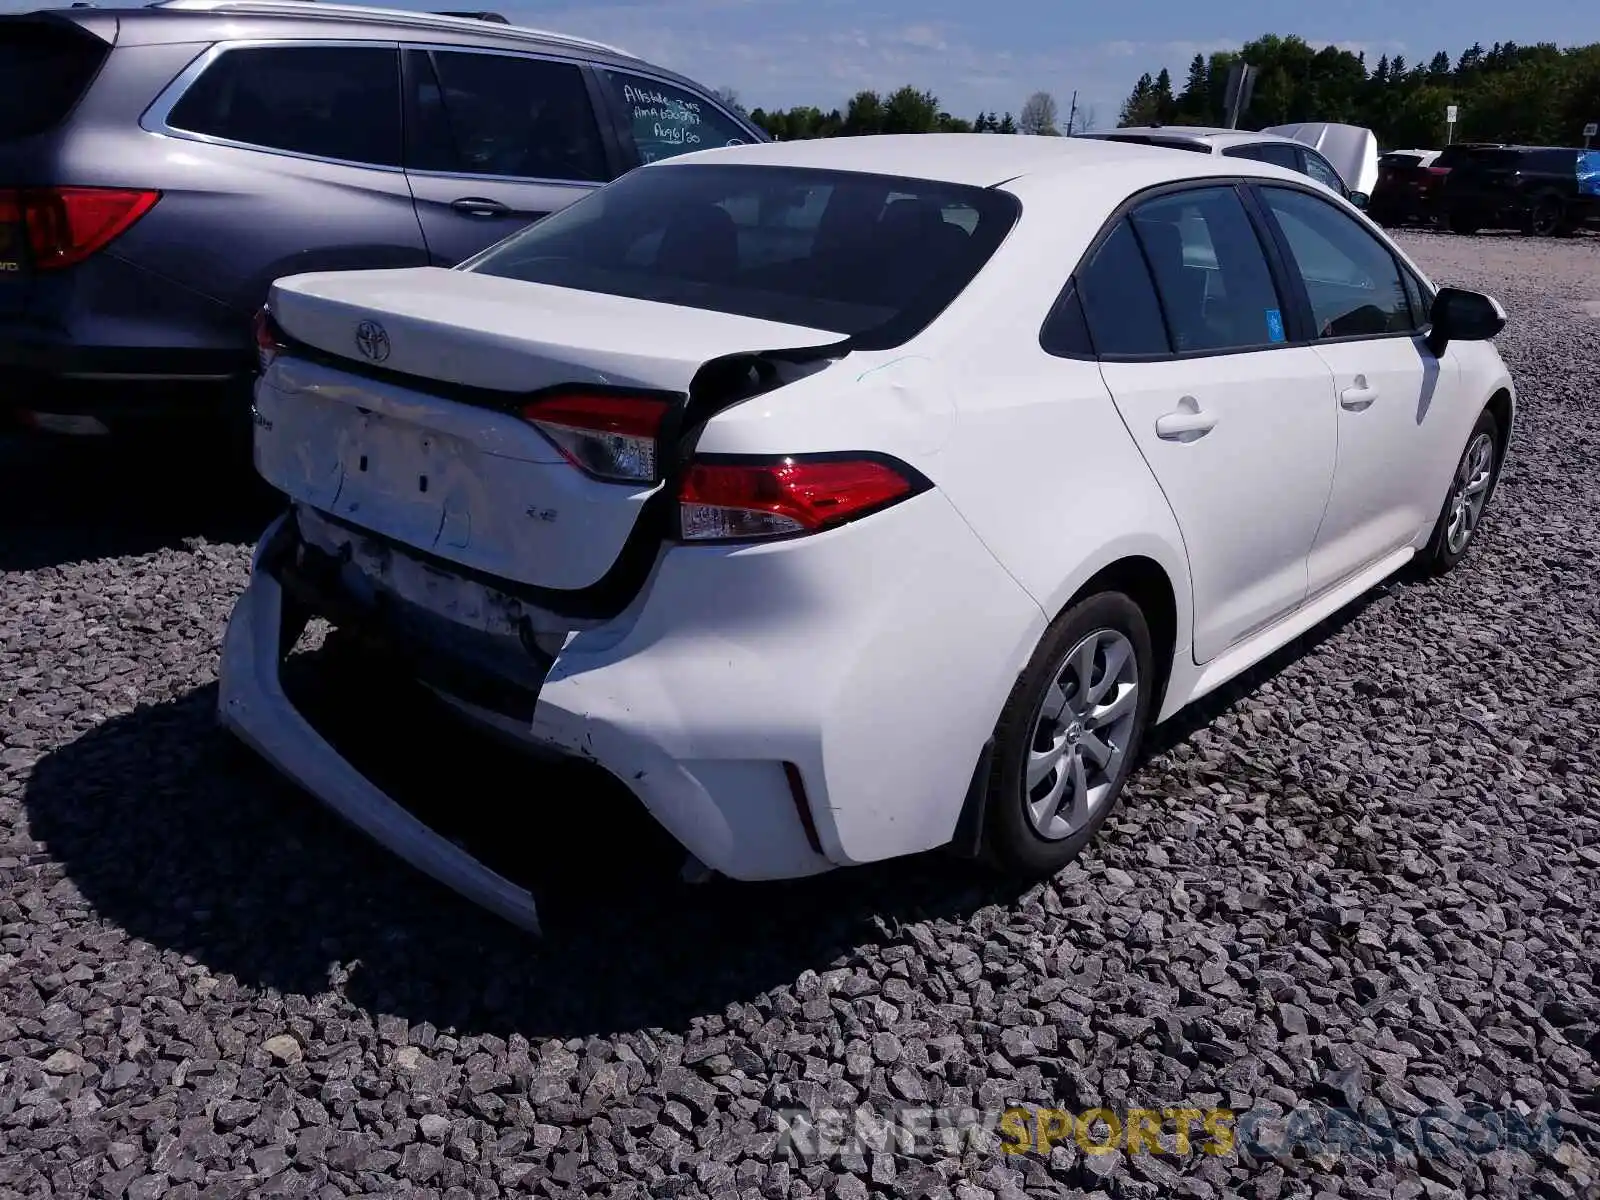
(872, 257)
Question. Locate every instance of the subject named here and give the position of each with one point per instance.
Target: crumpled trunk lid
(400, 411)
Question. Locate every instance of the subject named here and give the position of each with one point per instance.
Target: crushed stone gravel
(1361, 879)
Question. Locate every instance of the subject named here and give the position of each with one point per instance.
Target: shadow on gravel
(181, 838)
(65, 500)
(172, 833)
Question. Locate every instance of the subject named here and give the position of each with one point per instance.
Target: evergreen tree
(1140, 107)
(1165, 105)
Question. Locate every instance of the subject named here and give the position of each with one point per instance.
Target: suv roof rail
(473, 22)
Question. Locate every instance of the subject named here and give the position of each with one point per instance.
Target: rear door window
(1210, 271)
(503, 115)
(45, 67)
(337, 102)
(666, 121)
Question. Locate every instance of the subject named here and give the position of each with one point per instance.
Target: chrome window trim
(156, 118)
(587, 185)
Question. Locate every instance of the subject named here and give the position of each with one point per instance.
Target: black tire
(1011, 843)
(1465, 226)
(1437, 556)
(1547, 217)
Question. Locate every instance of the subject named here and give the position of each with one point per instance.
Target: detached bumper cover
(780, 709)
(252, 705)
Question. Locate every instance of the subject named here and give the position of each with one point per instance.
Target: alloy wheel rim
(1470, 492)
(1081, 733)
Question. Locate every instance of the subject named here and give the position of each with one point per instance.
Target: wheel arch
(1149, 584)
(1504, 409)
(1146, 582)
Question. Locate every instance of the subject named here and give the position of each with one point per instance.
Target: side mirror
(1462, 316)
(1360, 200)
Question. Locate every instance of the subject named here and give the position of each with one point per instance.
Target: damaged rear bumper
(253, 706)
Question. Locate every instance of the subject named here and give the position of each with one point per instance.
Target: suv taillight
(66, 225)
(737, 499)
(609, 437)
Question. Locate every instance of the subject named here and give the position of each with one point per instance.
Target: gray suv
(160, 166)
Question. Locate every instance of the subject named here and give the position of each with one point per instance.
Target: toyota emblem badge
(372, 341)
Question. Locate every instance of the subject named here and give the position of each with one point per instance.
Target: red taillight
(269, 338)
(65, 225)
(723, 500)
(614, 438)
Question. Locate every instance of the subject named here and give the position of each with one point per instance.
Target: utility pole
(1241, 84)
(1073, 112)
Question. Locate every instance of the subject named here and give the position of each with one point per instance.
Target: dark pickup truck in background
(1546, 191)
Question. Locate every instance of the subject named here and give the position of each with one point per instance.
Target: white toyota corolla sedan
(851, 498)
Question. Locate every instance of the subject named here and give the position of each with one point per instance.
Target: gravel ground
(1363, 878)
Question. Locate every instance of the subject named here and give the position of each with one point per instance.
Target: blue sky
(976, 55)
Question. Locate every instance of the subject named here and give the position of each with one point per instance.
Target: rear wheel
(1547, 217)
(1464, 505)
(1068, 736)
(1464, 225)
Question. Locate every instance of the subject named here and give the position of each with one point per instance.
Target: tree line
(1540, 95)
(912, 110)
(1536, 95)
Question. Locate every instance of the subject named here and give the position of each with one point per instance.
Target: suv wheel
(1547, 217)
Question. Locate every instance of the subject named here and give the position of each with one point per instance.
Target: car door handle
(1359, 396)
(1185, 425)
(477, 206)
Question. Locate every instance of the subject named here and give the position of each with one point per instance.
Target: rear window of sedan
(872, 257)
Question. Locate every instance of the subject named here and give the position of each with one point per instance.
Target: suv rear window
(46, 66)
(339, 102)
(1455, 156)
(1167, 143)
(873, 257)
